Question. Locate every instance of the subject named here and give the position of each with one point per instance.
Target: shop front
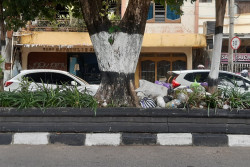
(241, 62)
(73, 52)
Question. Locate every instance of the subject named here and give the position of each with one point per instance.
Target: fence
(237, 67)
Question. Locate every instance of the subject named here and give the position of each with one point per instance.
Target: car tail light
(8, 83)
(175, 84)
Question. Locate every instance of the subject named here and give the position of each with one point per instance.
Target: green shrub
(44, 97)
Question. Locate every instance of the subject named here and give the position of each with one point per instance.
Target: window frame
(156, 58)
(165, 15)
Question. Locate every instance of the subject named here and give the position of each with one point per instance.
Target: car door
(36, 80)
(233, 81)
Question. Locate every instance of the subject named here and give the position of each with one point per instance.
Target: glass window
(179, 65)
(189, 77)
(39, 77)
(59, 79)
(158, 13)
(201, 76)
(230, 80)
(171, 14)
(151, 11)
(148, 70)
(162, 68)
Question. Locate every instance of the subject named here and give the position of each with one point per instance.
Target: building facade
(171, 42)
(241, 30)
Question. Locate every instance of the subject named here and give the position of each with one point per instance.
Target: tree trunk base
(212, 85)
(117, 89)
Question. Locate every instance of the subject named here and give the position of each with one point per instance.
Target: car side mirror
(73, 83)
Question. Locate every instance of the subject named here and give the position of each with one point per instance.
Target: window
(154, 67)
(157, 13)
(162, 67)
(231, 80)
(59, 79)
(148, 70)
(201, 76)
(39, 77)
(179, 65)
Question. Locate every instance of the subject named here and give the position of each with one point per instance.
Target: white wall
(207, 13)
(186, 26)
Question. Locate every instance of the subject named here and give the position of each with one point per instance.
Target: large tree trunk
(214, 72)
(117, 51)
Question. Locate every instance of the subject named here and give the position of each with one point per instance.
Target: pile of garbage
(162, 95)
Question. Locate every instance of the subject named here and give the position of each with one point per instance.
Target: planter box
(124, 120)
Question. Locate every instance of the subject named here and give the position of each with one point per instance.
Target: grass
(44, 97)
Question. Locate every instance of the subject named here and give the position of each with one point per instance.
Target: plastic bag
(147, 103)
(160, 101)
(173, 104)
(168, 85)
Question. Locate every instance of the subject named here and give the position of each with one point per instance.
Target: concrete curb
(117, 139)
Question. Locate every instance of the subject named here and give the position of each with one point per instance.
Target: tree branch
(95, 22)
(135, 17)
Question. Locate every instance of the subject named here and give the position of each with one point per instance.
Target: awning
(83, 39)
(174, 40)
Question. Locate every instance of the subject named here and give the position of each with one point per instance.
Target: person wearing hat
(200, 66)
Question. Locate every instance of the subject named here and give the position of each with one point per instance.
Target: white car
(51, 79)
(226, 79)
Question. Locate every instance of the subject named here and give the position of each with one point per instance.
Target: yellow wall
(83, 39)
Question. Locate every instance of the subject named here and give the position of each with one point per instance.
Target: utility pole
(231, 35)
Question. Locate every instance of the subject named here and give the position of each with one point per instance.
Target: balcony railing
(67, 25)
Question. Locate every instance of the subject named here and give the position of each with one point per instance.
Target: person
(17, 67)
(200, 66)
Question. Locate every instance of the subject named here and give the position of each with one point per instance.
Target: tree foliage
(17, 13)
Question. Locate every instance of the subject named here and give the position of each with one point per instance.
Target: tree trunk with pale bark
(215, 64)
(117, 48)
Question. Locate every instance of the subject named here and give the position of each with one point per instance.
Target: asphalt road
(122, 156)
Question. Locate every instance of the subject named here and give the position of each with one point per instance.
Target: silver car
(51, 79)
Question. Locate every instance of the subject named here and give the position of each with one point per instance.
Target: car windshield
(231, 80)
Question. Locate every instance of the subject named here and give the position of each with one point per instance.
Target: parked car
(226, 79)
(51, 79)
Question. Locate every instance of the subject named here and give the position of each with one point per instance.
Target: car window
(36, 77)
(231, 80)
(201, 76)
(198, 76)
(189, 77)
(59, 79)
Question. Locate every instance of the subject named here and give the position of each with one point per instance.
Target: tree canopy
(16, 13)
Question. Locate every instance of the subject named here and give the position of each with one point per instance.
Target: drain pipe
(11, 55)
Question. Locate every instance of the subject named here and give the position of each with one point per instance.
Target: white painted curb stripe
(238, 140)
(31, 138)
(174, 139)
(107, 139)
